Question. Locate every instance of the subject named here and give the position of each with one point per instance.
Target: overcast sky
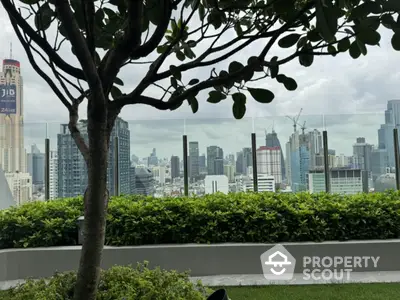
(346, 97)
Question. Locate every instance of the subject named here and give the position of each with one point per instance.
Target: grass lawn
(369, 291)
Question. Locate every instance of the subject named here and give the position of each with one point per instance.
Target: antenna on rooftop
(11, 50)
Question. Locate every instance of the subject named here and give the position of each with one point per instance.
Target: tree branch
(116, 57)
(82, 51)
(76, 134)
(38, 70)
(13, 14)
(89, 15)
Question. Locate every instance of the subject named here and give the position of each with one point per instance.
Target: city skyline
(166, 135)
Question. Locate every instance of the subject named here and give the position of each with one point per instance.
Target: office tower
(152, 159)
(144, 181)
(342, 181)
(53, 184)
(219, 166)
(12, 152)
(134, 159)
(269, 162)
(298, 160)
(239, 163)
(272, 141)
(36, 165)
(175, 167)
(193, 160)
(362, 155)
(72, 172)
(121, 131)
(132, 179)
(316, 146)
(247, 159)
(213, 152)
(385, 132)
(229, 171)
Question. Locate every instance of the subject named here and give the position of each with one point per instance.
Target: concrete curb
(201, 260)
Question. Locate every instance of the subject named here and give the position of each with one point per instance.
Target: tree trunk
(95, 201)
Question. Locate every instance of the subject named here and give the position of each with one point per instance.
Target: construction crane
(295, 120)
(303, 127)
(266, 130)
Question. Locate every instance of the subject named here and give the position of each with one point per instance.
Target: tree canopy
(107, 36)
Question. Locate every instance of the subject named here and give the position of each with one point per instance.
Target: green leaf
(395, 41)
(388, 21)
(153, 10)
(306, 59)
(332, 50)
(194, 81)
(238, 110)
(235, 66)
(354, 50)
(344, 45)
(215, 96)
(369, 37)
(290, 84)
(43, 17)
(281, 78)
(118, 81)
(261, 95)
(175, 72)
(327, 21)
(115, 92)
(202, 12)
(362, 47)
(289, 40)
(274, 67)
(180, 55)
(239, 97)
(194, 104)
(255, 62)
(174, 82)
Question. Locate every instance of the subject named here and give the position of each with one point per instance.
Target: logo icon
(278, 264)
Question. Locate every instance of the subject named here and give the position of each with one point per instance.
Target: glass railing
(360, 157)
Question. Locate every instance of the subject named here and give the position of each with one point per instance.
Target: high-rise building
(153, 159)
(219, 166)
(72, 171)
(229, 171)
(21, 186)
(175, 167)
(36, 162)
(269, 162)
(213, 153)
(272, 141)
(385, 132)
(53, 184)
(12, 152)
(239, 163)
(144, 181)
(342, 181)
(194, 160)
(362, 154)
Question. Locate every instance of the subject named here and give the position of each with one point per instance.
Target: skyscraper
(175, 167)
(385, 132)
(35, 164)
(72, 174)
(12, 152)
(213, 152)
(194, 159)
(272, 141)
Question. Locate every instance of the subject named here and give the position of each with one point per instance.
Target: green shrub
(140, 283)
(218, 218)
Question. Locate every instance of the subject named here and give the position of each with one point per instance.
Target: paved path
(259, 280)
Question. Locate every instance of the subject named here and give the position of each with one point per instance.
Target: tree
(108, 36)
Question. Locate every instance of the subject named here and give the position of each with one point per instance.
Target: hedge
(139, 283)
(218, 218)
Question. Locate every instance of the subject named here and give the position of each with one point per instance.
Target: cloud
(344, 96)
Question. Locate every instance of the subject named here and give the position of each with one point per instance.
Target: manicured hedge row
(218, 218)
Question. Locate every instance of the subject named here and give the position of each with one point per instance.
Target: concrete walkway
(259, 280)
